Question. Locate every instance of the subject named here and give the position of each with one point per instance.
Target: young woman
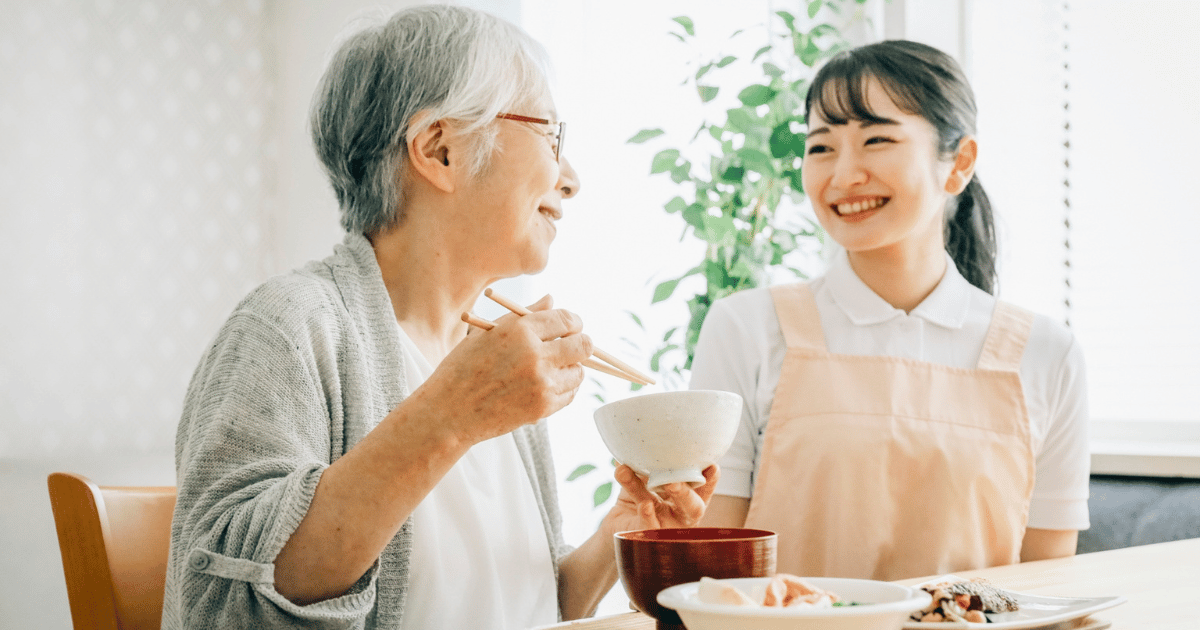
(899, 420)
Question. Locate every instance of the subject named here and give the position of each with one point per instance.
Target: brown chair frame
(114, 542)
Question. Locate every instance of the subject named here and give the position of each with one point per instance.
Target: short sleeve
(726, 359)
(1063, 465)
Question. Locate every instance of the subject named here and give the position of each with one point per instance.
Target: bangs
(840, 91)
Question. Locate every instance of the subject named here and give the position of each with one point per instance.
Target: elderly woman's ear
(430, 160)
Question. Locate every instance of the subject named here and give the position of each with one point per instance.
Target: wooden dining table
(1161, 583)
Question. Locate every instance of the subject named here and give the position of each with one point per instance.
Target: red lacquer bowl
(651, 560)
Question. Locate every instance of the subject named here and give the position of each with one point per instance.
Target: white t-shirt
(741, 349)
(480, 556)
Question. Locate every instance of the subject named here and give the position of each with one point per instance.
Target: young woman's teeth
(859, 206)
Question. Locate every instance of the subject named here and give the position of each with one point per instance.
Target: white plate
(885, 605)
(1036, 611)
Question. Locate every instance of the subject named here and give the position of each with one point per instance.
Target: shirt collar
(946, 306)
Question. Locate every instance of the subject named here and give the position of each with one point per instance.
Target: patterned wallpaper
(135, 181)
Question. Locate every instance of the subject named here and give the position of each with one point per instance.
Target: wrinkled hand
(675, 504)
(523, 370)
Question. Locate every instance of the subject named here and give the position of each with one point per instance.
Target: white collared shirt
(741, 349)
(480, 556)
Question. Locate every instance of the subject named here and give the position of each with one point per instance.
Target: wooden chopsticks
(485, 324)
(596, 352)
(613, 365)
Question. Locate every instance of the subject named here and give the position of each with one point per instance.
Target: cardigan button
(198, 560)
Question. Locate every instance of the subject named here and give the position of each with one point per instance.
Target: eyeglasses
(558, 137)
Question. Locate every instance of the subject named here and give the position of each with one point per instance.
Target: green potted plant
(731, 197)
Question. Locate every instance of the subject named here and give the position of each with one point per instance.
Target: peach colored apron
(888, 468)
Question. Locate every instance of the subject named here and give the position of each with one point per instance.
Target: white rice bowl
(881, 606)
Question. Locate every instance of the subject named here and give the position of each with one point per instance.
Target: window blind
(1119, 81)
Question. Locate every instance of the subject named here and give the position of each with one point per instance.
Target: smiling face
(514, 204)
(877, 185)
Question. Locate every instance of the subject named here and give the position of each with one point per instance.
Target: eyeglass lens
(562, 131)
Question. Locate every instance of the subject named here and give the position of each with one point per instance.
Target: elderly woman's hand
(675, 504)
(524, 369)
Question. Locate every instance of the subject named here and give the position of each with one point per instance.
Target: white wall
(134, 174)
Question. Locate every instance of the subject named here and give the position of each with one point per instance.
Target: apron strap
(1006, 338)
(799, 319)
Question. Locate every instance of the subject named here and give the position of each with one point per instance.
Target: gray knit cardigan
(305, 366)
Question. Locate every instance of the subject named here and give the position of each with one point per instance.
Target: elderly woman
(348, 456)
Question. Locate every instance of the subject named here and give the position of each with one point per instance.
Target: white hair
(449, 62)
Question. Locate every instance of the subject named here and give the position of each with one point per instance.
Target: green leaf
(633, 387)
(733, 174)
(813, 7)
(664, 290)
(718, 229)
(657, 357)
(789, 20)
(741, 269)
(760, 52)
(794, 178)
(686, 23)
(703, 70)
(706, 92)
(669, 333)
(599, 398)
(741, 119)
(726, 61)
(716, 132)
(757, 161)
(675, 205)
(644, 135)
(603, 491)
(755, 95)
(694, 216)
(677, 36)
(822, 29)
(580, 471)
(637, 320)
(664, 161)
(787, 102)
(772, 70)
(810, 54)
(717, 277)
(783, 141)
(682, 172)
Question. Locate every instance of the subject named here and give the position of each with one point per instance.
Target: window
(1128, 93)
(1117, 123)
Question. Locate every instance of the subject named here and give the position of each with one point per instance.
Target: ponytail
(971, 236)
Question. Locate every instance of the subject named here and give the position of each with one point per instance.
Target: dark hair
(923, 81)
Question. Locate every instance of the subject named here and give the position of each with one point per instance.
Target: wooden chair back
(114, 542)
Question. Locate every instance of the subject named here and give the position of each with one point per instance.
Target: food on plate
(717, 592)
(783, 591)
(964, 600)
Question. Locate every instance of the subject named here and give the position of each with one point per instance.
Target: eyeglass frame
(558, 140)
